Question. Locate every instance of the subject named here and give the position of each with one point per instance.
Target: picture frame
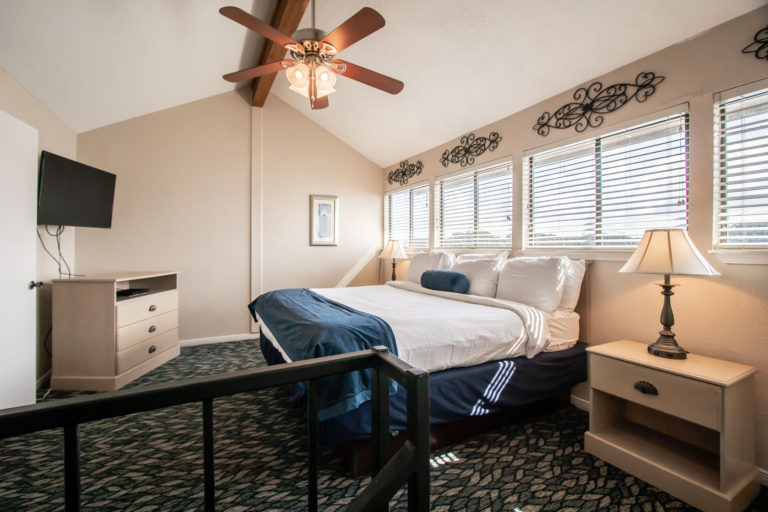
(323, 220)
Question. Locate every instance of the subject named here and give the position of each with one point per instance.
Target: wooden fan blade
(372, 78)
(320, 103)
(255, 24)
(360, 25)
(245, 74)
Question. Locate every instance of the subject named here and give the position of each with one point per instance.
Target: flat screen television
(74, 194)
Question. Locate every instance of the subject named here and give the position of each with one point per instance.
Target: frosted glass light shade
(668, 251)
(393, 251)
(298, 75)
(326, 78)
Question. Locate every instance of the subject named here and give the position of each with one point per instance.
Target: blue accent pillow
(445, 281)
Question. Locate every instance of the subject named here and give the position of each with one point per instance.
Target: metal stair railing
(410, 464)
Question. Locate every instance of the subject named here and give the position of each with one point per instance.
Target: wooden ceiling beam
(287, 18)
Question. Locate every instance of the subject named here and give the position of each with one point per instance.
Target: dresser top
(707, 369)
(118, 276)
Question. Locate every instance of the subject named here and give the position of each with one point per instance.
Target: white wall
(183, 202)
(299, 158)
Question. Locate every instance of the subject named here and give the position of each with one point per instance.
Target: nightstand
(686, 426)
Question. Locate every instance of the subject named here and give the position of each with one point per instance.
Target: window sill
(742, 256)
(583, 254)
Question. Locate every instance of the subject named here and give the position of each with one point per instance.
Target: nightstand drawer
(141, 308)
(146, 350)
(132, 334)
(685, 398)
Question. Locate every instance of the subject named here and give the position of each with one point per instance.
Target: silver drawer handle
(152, 328)
(646, 388)
(153, 308)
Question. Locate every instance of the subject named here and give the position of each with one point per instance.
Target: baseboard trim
(43, 380)
(580, 403)
(218, 339)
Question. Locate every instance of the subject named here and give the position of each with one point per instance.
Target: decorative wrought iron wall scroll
(759, 46)
(593, 102)
(405, 172)
(470, 147)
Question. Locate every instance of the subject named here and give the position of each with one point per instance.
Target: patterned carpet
(153, 461)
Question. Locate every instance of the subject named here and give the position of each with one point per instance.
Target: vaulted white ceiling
(465, 63)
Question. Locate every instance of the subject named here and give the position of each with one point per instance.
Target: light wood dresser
(686, 426)
(101, 341)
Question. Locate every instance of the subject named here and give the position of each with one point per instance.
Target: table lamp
(394, 251)
(667, 251)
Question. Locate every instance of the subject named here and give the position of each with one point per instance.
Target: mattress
(458, 393)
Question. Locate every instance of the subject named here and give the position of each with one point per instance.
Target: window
(606, 191)
(741, 170)
(407, 216)
(476, 208)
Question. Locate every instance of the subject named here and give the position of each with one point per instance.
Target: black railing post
(379, 416)
(72, 467)
(418, 435)
(208, 469)
(312, 449)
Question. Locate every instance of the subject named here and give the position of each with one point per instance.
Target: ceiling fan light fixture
(311, 65)
(298, 75)
(303, 91)
(326, 78)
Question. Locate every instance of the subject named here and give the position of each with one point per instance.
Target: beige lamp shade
(393, 251)
(668, 251)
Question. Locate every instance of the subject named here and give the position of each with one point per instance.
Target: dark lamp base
(668, 348)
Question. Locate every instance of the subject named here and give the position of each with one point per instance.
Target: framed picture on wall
(323, 220)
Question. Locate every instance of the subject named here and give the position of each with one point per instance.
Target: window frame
(387, 214)
(735, 254)
(505, 163)
(598, 252)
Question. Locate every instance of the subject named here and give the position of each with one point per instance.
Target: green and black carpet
(153, 461)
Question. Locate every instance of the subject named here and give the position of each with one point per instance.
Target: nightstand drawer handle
(153, 328)
(152, 349)
(152, 308)
(646, 388)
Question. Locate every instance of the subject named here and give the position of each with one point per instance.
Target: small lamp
(394, 251)
(667, 251)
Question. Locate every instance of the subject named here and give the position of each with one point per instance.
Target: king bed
(509, 340)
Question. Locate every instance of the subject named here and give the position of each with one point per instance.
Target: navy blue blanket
(308, 325)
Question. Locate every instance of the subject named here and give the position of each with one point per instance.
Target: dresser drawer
(141, 308)
(146, 350)
(137, 332)
(686, 398)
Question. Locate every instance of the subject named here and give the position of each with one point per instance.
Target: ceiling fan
(312, 66)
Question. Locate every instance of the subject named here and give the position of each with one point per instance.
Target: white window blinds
(741, 171)
(606, 191)
(476, 208)
(407, 216)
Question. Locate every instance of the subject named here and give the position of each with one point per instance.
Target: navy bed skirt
(458, 393)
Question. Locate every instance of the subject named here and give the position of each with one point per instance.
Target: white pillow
(471, 256)
(537, 282)
(483, 274)
(433, 260)
(572, 286)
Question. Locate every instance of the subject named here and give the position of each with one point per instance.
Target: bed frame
(356, 455)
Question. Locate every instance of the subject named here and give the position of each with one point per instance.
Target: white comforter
(438, 330)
